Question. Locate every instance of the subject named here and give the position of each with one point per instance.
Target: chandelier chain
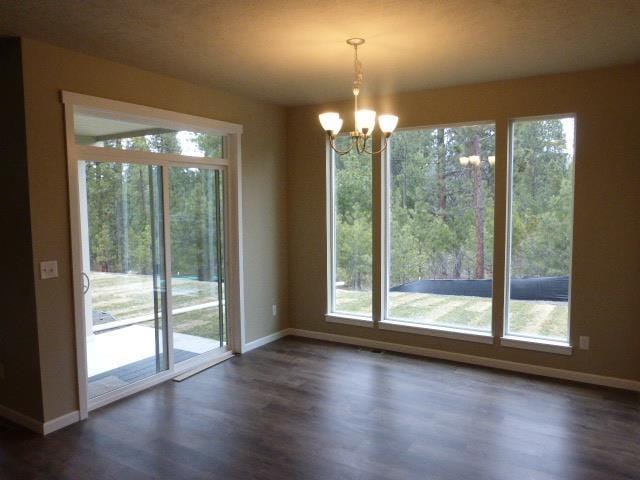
(359, 75)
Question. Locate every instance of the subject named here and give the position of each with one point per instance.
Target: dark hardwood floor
(301, 409)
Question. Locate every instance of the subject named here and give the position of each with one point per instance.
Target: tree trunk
(442, 186)
(478, 197)
(146, 209)
(404, 190)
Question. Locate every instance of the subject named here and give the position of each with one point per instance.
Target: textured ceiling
(293, 52)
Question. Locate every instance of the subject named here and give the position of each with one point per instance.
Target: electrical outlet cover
(48, 269)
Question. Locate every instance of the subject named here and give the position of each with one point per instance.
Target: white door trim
(231, 163)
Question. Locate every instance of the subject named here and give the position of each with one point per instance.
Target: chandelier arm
(332, 144)
(361, 147)
(382, 149)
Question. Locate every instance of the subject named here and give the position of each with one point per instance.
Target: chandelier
(365, 120)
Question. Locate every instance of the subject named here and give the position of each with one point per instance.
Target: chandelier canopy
(365, 120)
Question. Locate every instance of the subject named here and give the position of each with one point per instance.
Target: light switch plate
(48, 269)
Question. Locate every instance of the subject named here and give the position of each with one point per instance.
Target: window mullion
(378, 242)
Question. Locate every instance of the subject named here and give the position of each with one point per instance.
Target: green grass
(201, 323)
(127, 296)
(527, 317)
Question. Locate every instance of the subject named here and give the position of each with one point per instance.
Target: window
(540, 221)
(437, 233)
(440, 204)
(128, 135)
(350, 232)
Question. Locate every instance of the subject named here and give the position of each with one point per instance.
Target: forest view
(124, 209)
(441, 225)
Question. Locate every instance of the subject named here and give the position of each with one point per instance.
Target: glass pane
(123, 135)
(125, 301)
(352, 275)
(541, 228)
(441, 204)
(197, 261)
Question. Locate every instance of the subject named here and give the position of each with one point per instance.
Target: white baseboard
(21, 419)
(43, 428)
(582, 377)
(247, 347)
(60, 422)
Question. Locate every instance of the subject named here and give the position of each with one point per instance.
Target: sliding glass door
(154, 207)
(124, 272)
(129, 302)
(197, 260)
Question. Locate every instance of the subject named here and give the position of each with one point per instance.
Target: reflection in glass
(124, 135)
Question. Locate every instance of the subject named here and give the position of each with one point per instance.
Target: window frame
(381, 243)
(524, 341)
(332, 315)
(393, 324)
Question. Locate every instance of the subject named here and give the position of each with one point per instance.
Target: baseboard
(43, 428)
(21, 419)
(60, 422)
(247, 347)
(590, 378)
(582, 377)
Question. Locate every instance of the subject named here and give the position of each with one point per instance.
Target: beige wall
(20, 384)
(606, 259)
(47, 71)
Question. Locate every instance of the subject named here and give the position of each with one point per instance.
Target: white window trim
(437, 331)
(349, 319)
(511, 339)
(231, 163)
(114, 155)
(332, 315)
(537, 344)
(116, 110)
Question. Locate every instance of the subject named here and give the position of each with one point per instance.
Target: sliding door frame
(230, 164)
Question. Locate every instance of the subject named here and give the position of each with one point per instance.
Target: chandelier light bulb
(365, 121)
(388, 123)
(492, 159)
(464, 161)
(337, 126)
(474, 160)
(331, 122)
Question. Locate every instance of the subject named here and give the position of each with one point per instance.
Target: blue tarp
(540, 288)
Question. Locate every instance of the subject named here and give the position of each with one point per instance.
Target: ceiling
(294, 52)
(93, 126)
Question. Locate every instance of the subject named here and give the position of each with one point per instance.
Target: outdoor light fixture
(475, 160)
(365, 120)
